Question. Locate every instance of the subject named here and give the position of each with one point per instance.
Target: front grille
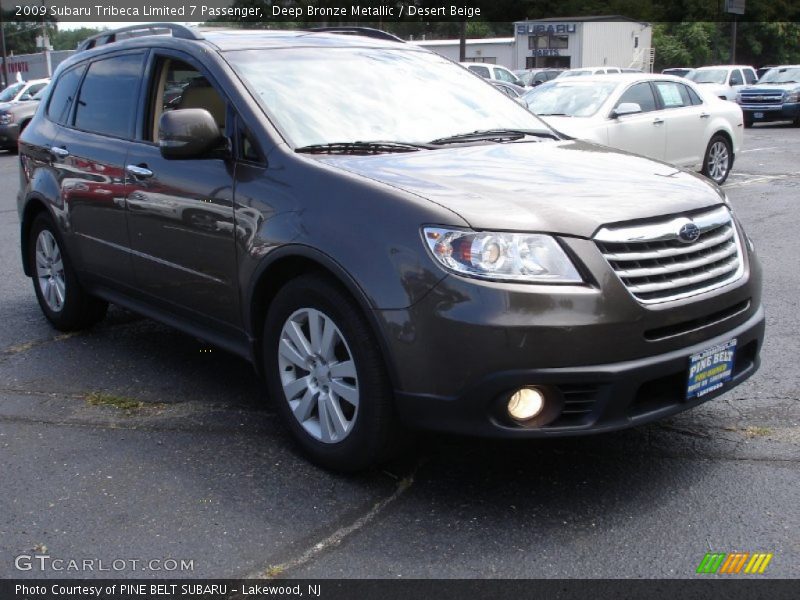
(761, 98)
(657, 265)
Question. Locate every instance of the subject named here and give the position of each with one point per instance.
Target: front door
(180, 212)
(641, 133)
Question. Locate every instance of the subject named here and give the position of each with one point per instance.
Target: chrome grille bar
(656, 265)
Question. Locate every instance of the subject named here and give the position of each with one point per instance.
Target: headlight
(526, 257)
(6, 118)
(792, 96)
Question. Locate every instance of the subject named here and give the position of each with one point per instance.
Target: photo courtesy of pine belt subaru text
(397, 247)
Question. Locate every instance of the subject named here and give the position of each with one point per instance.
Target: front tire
(326, 374)
(62, 299)
(718, 159)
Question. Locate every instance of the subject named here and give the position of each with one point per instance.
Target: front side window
(641, 94)
(63, 96)
(108, 98)
(736, 77)
(750, 76)
(180, 85)
(386, 94)
(503, 75)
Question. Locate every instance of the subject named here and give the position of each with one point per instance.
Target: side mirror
(188, 133)
(626, 108)
(25, 97)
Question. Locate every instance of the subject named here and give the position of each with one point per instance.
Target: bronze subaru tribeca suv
(392, 242)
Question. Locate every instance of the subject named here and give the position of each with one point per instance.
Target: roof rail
(365, 31)
(108, 37)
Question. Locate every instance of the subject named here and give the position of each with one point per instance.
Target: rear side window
(482, 71)
(641, 94)
(64, 94)
(673, 95)
(693, 96)
(108, 98)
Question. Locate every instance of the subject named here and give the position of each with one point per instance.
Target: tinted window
(63, 95)
(671, 96)
(641, 94)
(482, 71)
(750, 76)
(109, 94)
(736, 77)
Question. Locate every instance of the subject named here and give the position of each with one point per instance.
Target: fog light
(525, 403)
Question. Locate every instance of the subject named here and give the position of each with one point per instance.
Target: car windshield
(573, 99)
(781, 75)
(335, 95)
(576, 73)
(10, 92)
(709, 76)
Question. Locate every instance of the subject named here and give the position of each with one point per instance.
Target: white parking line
(759, 149)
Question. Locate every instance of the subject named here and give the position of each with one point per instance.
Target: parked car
(677, 71)
(587, 71)
(776, 97)
(534, 77)
(659, 116)
(509, 89)
(448, 263)
(14, 118)
(493, 72)
(762, 70)
(723, 81)
(22, 91)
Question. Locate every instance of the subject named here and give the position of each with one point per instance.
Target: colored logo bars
(735, 563)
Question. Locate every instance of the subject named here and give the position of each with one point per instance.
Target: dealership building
(568, 43)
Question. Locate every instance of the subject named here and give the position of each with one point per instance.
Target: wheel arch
(33, 206)
(288, 263)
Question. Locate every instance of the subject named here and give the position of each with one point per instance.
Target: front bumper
(593, 399)
(783, 112)
(9, 134)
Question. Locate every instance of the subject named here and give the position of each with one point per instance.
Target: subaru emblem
(688, 233)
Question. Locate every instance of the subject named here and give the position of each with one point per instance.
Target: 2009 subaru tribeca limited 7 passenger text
(391, 241)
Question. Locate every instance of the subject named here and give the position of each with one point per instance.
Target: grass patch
(753, 432)
(119, 402)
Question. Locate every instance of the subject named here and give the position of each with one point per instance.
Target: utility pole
(462, 43)
(3, 48)
(46, 44)
(733, 41)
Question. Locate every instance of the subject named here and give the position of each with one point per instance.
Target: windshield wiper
(497, 135)
(377, 147)
(552, 115)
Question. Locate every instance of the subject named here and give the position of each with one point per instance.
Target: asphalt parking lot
(134, 442)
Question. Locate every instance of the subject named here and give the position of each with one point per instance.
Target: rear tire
(718, 159)
(62, 299)
(325, 372)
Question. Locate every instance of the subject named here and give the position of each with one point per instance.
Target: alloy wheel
(718, 161)
(318, 375)
(50, 271)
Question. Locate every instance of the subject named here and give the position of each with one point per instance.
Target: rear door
(89, 155)
(642, 133)
(685, 123)
(180, 212)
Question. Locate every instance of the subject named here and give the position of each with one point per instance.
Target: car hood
(568, 187)
(772, 87)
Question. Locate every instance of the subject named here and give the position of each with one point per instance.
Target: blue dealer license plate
(710, 369)
(758, 115)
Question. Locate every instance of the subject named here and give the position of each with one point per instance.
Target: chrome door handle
(59, 152)
(704, 115)
(139, 171)
(658, 121)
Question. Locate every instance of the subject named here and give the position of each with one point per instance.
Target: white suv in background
(584, 71)
(490, 71)
(724, 81)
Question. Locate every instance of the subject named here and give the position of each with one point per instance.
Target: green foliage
(69, 39)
